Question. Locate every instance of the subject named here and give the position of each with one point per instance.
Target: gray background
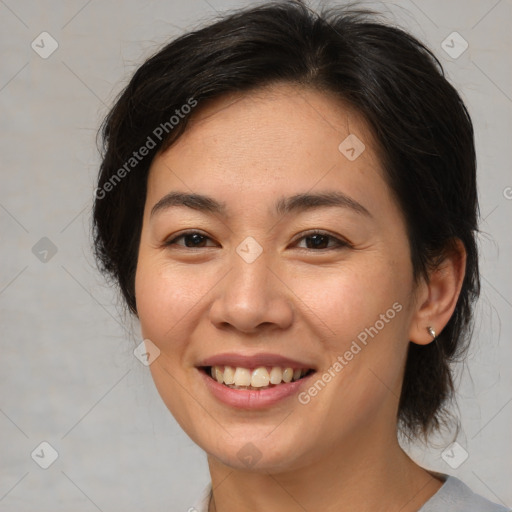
(67, 372)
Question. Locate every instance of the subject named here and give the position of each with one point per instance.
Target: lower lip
(250, 398)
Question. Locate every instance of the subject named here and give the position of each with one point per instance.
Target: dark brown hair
(421, 124)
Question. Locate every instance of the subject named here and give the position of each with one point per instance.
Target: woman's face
(292, 254)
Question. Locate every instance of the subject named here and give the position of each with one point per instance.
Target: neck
(363, 476)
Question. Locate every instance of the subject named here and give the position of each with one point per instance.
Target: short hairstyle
(422, 127)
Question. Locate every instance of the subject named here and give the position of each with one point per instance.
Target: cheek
(166, 296)
(363, 314)
(351, 298)
(154, 296)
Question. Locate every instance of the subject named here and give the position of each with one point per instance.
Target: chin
(257, 453)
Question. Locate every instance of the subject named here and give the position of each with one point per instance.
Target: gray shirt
(453, 496)
(456, 496)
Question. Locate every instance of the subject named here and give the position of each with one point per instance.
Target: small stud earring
(431, 332)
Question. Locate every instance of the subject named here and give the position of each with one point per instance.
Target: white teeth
(229, 375)
(288, 375)
(260, 377)
(276, 375)
(219, 375)
(242, 377)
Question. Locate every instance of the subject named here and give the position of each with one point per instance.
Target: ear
(436, 298)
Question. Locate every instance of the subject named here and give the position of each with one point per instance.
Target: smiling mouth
(256, 378)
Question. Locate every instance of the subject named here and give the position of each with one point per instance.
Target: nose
(251, 298)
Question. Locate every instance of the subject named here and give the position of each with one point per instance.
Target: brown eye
(322, 241)
(317, 241)
(192, 239)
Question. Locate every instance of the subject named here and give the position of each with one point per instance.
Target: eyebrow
(283, 206)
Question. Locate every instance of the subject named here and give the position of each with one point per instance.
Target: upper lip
(253, 361)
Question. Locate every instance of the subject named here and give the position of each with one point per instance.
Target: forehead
(264, 141)
(288, 116)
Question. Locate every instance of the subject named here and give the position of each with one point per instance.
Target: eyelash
(340, 244)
